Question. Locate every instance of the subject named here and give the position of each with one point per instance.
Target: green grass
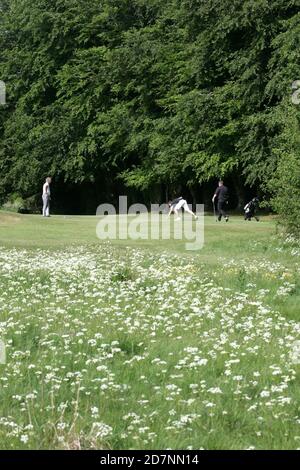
(59, 231)
(142, 344)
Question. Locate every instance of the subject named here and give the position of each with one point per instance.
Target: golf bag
(251, 208)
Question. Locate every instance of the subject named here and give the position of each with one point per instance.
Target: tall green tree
(145, 92)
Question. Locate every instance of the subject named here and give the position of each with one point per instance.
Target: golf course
(141, 344)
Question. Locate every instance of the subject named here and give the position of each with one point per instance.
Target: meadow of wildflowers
(119, 348)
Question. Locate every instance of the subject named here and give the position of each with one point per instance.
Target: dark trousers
(249, 215)
(222, 209)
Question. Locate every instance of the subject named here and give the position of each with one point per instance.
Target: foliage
(173, 93)
(284, 183)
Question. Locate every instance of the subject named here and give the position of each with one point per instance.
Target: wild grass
(143, 345)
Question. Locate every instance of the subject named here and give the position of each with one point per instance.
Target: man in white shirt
(46, 197)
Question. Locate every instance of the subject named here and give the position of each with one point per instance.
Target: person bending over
(177, 204)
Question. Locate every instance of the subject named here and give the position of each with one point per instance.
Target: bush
(16, 203)
(285, 186)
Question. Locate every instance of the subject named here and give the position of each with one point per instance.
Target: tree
(144, 93)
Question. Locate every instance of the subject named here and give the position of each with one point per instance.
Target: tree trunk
(194, 198)
(240, 193)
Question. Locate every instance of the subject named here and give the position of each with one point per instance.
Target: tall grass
(118, 347)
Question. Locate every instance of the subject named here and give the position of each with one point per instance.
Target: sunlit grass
(144, 345)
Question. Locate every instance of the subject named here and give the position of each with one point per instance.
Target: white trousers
(46, 205)
(180, 204)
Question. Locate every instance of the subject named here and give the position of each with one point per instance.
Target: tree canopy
(146, 92)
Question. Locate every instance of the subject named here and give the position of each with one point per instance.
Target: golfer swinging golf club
(177, 204)
(221, 194)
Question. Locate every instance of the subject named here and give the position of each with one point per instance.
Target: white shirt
(46, 188)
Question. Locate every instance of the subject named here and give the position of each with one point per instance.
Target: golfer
(46, 197)
(221, 194)
(178, 204)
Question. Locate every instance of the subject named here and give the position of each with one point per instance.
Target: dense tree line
(150, 97)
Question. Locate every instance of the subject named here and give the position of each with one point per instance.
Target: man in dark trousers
(221, 193)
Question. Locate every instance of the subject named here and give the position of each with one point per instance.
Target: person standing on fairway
(178, 204)
(221, 193)
(46, 197)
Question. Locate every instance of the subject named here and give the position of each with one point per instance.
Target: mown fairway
(119, 345)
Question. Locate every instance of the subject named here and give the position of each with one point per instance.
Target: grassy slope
(35, 231)
(242, 266)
